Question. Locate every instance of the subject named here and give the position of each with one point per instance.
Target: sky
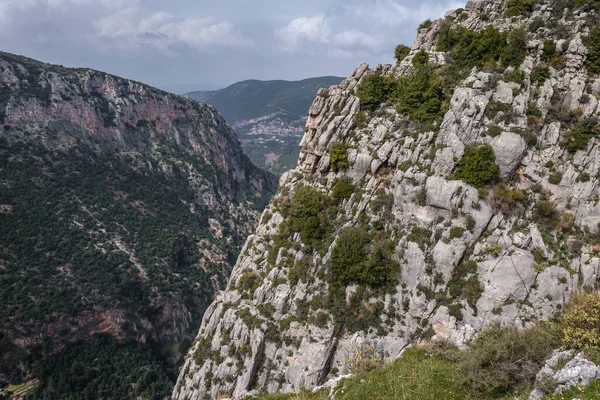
(182, 45)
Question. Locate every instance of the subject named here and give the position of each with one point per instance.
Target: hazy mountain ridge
(269, 116)
(123, 207)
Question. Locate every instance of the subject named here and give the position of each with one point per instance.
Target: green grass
(414, 376)
(591, 392)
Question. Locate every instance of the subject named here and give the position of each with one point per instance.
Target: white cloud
(163, 30)
(302, 30)
(356, 39)
(391, 13)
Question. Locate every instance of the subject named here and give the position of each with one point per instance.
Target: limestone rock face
(556, 379)
(462, 257)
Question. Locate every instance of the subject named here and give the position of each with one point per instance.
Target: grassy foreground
(415, 376)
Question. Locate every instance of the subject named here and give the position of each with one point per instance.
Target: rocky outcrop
(461, 257)
(562, 371)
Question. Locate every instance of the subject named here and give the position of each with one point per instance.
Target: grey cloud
(186, 41)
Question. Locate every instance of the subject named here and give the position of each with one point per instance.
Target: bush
(343, 188)
(581, 322)
(540, 73)
(351, 262)
(546, 213)
(372, 91)
(456, 232)
(579, 137)
(592, 42)
(503, 358)
(478, 166)
(307, 215)
(468, 48)
(421, 58)
(401, 52)
(549, 51)
(494, 130)
(507, 200)
(338, 156)
(419, 95)
(519, 7)
(426, 24)
(364, 359)
(555, 178)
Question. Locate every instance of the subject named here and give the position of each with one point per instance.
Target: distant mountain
(268, 116)
(122, 210)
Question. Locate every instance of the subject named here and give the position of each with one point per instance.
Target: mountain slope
(123, 208)
(269, 116)
(430, 199)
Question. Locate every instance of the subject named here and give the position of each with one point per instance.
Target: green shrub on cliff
(478, 166)
(307, 215)
(372, 91)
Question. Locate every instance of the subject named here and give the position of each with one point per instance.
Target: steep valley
(122, 211)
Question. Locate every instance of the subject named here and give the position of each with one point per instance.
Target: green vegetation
(540, 73)
(307, 215)
(581, 322)
(549, 51)
(504, 358)
(478, 166)
(338, 156)
(401, 52)
(343, 188)
(579, 136)
(104, 368)
(507, 200)
(470, 49)
(372, 91)
(499, 364)
(353, 263)
(592, 42)
(519, 7)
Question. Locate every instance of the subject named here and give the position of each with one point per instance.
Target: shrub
(426, 24)
(549, 51)
(519, 7)
(592, 42)
(456, 232)
(421, 236)
(469, 48)
(343, 188)
(507, 200)
(478, 166)
(514, 75)
(371, 91)
(540, 73)
(494, 130)
(352, 264)
(307, 215)
(579, 137)
(555, 178)
(338, 156)
(581, 322)
(546, 213)
(421, 58)
(503, 358)
(401, 52)
(419, 95)
(495, 107)
(533, 110)
(364, 359)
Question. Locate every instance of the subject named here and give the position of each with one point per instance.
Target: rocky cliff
(122, 209)
(431, 198)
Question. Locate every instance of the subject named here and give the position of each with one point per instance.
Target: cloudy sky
(183, 44)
